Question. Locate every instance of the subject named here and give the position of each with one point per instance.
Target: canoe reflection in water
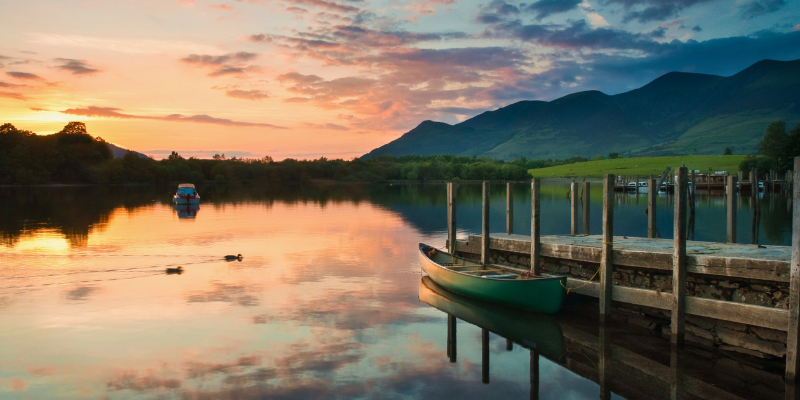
(538, 332)
(186, 211)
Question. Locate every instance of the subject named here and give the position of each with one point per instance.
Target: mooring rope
(584, 284)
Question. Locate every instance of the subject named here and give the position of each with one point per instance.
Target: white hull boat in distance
(186, 194)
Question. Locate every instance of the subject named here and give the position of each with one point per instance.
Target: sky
(337, 78)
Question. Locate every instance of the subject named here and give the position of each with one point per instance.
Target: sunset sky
(337, 78)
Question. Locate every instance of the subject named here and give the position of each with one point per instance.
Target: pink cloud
(24, 76)
(220, 7)
(111, 112)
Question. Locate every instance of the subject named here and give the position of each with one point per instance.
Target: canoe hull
(545, 295)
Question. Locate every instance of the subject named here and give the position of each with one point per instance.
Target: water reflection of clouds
(227, 293)
(81, 292)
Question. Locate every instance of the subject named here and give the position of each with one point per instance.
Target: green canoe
(543, 294)
(532, 330)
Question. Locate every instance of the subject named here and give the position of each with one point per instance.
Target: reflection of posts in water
(756, 222)
(679, 258)
(586, 208)
(509, 210)
(534, 375)
(509, 345)
(485, 356)
(675, 373)
(485, 224)
(607, 247)
(731, 192)
(536, 223)
(603, 363)
(451, 338)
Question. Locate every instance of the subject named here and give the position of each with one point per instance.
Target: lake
(328, 300)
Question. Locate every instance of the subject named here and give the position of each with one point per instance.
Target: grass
(642, 166)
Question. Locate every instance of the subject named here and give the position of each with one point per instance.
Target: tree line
(777, 149)
(72, 155)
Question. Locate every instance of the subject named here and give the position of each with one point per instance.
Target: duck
(232, 258)
(178, 270)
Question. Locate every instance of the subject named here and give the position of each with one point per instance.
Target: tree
(74, 128)
(612, 156)
(727, 151)
(775, 143)
(174, 156)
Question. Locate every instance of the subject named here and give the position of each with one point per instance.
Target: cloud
(327, 126)
(220, 7)
(546, 8)
(757, 8)
(206, 59)
(653, 10)
(247, 94)
(12, 95)
(111, 112)
(579, 35)
(81, 293)
(327, 5)
(77, 67)
(132, 46)
(298, 78)
(227, 71)
(10, 85)
(24, 76)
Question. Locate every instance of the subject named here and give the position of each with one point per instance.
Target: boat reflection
(531, 330)
(186, 211)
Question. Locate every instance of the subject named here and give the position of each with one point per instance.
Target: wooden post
(693, 193)
(534, 375)
(451, 337)
(604, 362)
(485, 224)
(676, 372)
(586, 207)
(740, 180)
(573, 209)
(753, 184)
(679, 259)
(509, 210)
(509, 345)
(536, 223)
(651, 207)
(792, 361)
(607, 246)
(451, 217)
(731, 192)
(485, 356)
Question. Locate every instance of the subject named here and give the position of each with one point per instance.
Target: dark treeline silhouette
(778, 149)
(74, 156)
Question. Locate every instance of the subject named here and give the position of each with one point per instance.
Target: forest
(72, 155)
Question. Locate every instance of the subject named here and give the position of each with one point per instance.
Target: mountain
(677, 113)
(119, 152)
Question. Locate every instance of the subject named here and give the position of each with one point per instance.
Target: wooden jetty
(736, 297)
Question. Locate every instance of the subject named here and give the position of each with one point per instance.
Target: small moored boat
(493, 283)
(186, 194)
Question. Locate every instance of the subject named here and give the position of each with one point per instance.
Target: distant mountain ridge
(119, 152)
(677, 113)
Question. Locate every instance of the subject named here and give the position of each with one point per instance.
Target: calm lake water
(327, 302)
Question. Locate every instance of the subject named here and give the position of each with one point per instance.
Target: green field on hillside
(642, 166)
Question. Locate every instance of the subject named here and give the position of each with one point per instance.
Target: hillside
(642, 166)
(677, 113)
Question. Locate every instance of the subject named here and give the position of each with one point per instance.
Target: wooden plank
(536, 223)
(607, 247)
(509, 210)
(679, 259)
(652, 191)
(792, 359)
(485, 224)
(731, 192)
(586, 203)
(573, 208)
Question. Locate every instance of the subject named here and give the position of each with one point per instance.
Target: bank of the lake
(643, 166)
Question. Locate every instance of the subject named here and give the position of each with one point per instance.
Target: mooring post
(509, 209)
(451, 337)
(573, 209)
(607, 246)
(740, 180)
(586, 208)
(509, 345)
(651, 207)
(451, 217)
(753, 185)
(731, 192)
(792, 363)
(536, 223)
(534, 375)
(485, 224)
(692, 193)
(679, 259)
(485, 355)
